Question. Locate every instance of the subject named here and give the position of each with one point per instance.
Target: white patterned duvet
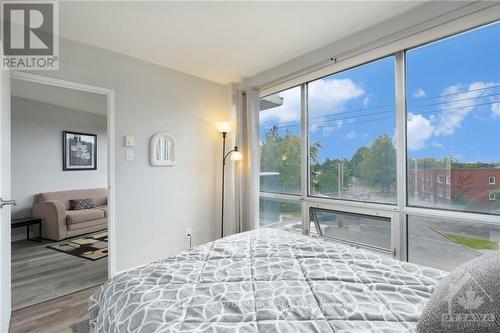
(266, 280)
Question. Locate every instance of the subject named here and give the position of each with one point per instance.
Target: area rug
(92, 247)
(82, 327)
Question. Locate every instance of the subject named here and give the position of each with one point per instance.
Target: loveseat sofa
(59, 221)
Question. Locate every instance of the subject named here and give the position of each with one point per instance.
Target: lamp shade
(223, 126)
(236, 156)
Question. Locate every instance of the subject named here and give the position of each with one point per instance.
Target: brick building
(441, 187)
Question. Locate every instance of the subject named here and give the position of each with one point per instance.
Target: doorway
(60, 263)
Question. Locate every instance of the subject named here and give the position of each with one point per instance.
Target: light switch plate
(129, 154)
(130, 141)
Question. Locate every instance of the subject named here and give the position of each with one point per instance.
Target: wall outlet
(189, 237)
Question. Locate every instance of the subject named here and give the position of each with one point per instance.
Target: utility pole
(338, 177)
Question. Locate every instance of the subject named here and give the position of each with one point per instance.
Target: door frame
(110, 112)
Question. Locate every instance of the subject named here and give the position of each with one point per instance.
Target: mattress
(266, 280)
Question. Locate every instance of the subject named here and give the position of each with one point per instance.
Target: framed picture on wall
(79, 151)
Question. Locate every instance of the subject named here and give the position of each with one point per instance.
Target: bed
(266, 280)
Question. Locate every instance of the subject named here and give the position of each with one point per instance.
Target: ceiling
(220, 41)
(69, 98)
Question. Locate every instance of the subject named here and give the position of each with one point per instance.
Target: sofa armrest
(53, 215)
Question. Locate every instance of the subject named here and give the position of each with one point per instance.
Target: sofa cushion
(104, 209)
(79, 204)
(79, 216)
(75, 229)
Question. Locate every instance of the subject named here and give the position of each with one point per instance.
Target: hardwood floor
(40, 274)
(54, 316)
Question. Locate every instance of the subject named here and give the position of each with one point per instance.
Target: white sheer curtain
(248, 116)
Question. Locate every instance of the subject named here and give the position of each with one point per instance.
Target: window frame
(305, 121)
(494, 182)
(399, 212)
(283, 195)
(386, 218)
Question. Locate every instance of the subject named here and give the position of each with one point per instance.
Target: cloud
(327, 130)
(419, 130)
(419, 93)
(463, 100)
(289, 111)
(366, 100)
(437, 145)
(459, 100)
(351, 135)
(495, 109)
(326, 97)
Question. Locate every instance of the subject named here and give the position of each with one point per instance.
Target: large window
(352, 152)
(446, 244)
(446, 208)
(279, 140)
(280, 160)
(280, 214)
(453, 122)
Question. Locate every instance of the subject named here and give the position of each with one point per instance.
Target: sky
(453, 102)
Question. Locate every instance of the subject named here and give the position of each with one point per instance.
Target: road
(425, 245)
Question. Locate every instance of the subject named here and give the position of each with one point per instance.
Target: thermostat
(130, 141)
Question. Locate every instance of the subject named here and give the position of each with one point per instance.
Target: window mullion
(304, 163)
(399, 232)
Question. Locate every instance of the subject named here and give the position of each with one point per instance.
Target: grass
(473, 243)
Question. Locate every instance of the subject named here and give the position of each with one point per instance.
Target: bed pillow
(467, 300)
(79, 204)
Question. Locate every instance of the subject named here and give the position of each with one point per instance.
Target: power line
(332, 115)
(460, 107)
(414, 100)
(333, 123)
(444, 109)
(351, 117)
(457, 93)
(332, 120)
(354, 111)
(456, 100)
(357, 122)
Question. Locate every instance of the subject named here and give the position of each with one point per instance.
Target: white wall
(155, 205)
(37, 148)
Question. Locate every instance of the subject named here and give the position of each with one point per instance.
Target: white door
(5, 195)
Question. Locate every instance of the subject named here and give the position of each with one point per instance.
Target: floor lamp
(224, 127)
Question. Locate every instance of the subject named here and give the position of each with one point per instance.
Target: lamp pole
(224, 157)
(223, 168)
(223, 127)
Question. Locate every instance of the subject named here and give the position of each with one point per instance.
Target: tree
(375, 165)
(357, 158)
(280, 152)
(378, 167)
